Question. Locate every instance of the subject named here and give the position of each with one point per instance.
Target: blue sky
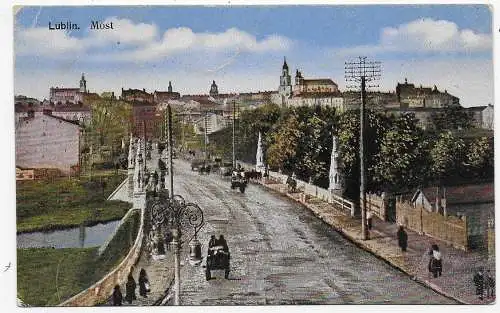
(242, 48)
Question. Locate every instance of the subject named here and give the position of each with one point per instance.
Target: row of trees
(400, 156)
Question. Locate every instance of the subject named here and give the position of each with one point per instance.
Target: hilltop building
(61, 96)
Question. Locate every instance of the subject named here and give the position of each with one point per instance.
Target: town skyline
(245, 50)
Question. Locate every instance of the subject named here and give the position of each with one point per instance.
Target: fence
(101, 291)
(449, 229)
(376, 205)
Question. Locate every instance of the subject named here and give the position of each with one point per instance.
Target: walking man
(369, 218)
(489, 284)
(479, 283)
(402, 238)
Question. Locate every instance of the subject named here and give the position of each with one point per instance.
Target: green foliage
(45, 205)
(447, 155)
(402, 156)
(479, 157)
(452, 118)
(282, 152)
(111, 122)
(46, 276)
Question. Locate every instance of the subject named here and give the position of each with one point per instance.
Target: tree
(479, 158)
(402, 156)
(447, 156)
(282, 152)
(452, 118)
(110, 123)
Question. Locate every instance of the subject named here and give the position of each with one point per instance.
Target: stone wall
(102, 290)
(450, 229)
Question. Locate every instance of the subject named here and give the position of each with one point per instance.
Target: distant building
(134, 95)
(61, 96)
(165, 96)
(483, 116)
(213, 122)
(147, 120)
(410, 96)
(46, 141)
(320, 86)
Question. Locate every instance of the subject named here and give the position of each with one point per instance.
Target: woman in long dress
(143, 283)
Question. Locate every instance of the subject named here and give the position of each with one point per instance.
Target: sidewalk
(458, 266)
(160, 274)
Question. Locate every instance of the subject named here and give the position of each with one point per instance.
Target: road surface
(282, 254)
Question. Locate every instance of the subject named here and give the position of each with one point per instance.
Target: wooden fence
(450, 229)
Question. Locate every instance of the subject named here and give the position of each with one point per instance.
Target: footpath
(458, 266)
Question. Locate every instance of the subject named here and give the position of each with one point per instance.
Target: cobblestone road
(282, 254)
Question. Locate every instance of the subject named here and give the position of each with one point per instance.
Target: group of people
(484, 281)
(130, 288)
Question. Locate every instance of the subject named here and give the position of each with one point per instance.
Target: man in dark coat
(143, 283)
(212, 243)
(479, 283)
(222, 242)
(402, 238)
(130, 289)
(117, 296)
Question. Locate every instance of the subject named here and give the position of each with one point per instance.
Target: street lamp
(175, 213)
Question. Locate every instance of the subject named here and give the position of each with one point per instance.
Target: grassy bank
(47, 277)
(62, 203)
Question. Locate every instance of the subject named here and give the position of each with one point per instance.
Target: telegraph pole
(361, 71)
(234, 118)
(170, 148)
(205, 128)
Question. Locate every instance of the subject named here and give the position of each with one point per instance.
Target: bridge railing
(311, 190)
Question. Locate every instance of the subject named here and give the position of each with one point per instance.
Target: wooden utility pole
(362, 71)
(234, 125)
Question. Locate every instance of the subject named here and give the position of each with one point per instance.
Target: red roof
(462, 194)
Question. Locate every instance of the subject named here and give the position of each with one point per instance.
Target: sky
(242, 48)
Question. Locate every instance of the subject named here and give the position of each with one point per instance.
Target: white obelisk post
(259, 164)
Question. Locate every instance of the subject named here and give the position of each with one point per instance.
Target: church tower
(169, 86)
(213, 89)
(285, 88)
(83, 84)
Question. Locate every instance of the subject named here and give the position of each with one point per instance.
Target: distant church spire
(285, 66)
(83, 83)
(169, 86)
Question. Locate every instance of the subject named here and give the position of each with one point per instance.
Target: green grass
(46, 205)
(47, 277)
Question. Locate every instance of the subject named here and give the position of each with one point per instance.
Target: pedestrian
(402, 238)
(222, 242)
(437, 262)
(212, 243)
(117, 296)
(369, 217)
(479, 283)
(143, 283)
(130, 289)
(489, 281)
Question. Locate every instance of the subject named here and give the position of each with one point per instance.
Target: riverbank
(47, 277)
(66, 203)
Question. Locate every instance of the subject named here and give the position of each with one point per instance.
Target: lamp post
(175, 213)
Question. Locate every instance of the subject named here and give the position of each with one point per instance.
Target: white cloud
(41, 41)
(425, 36)
(125, 32)
(139, 42)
